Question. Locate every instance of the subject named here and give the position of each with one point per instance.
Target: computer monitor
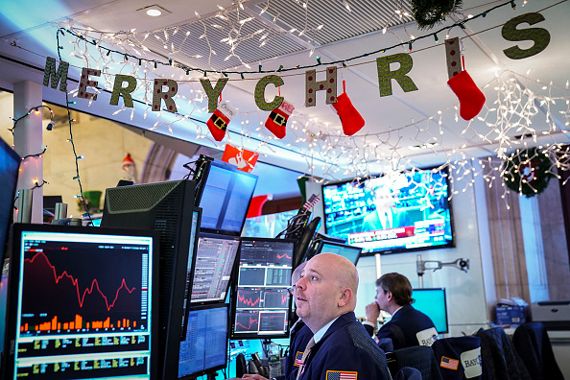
(196, 213)
(82, 303)
(225, 198)
(9, 165)
(205, 347)
(168, 208)
(213, 267)
(261, 301)
(348, 251)
(432, 302)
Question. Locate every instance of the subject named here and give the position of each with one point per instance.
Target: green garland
(527, 172)
(429, 13)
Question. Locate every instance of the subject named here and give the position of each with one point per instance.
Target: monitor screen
(205, 347)
(432, 302)
(347, 251)
(9, 165)
(394, 213)
(225, 198)
(82, 303)
(261, 304)
(215, 260)
(192, 247)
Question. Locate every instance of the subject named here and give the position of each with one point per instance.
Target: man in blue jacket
(408, 326)
(340, 347)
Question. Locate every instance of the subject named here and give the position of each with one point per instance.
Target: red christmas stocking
(277, 119)
(217, 124)
(350, 118)
(471, 98)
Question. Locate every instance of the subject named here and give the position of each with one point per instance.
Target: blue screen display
(351, 253)
(226, 197)
(388, 214)
(432, 302)
(206, 343)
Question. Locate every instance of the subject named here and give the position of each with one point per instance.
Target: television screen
(205, 347)
(393, 213)
(347, 251)
(225, 198)
(82, 303)
(215, 260)
(9, 165)
(432, 302)
(260, 307)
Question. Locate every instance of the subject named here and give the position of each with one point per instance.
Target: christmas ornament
(527, 172)
(429, 13)
(130, 168)
(350, 118)
(217, 124)
(277, 119)
(471, 98)
(244, 159)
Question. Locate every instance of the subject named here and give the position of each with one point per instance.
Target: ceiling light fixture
(153, 12)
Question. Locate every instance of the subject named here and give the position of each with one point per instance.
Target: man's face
(382, 298)
(317, 294)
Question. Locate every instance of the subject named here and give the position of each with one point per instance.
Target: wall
(103, 143)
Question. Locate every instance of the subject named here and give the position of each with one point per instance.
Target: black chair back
(459, 358)
(532, 343)
(499, 358)
(418, 357)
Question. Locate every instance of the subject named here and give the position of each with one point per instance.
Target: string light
(233, 43)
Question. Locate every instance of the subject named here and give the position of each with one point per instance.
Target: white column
(28, 139)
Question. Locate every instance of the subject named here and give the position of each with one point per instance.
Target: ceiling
(418, 128)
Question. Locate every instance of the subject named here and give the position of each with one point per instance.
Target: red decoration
(277, 119)
(256, 205)
(471, 98)
(244, 159)
(351, 120)
(217, 124)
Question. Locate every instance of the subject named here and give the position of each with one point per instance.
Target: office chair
(421, 358)
(459, 358)
(533, 345)
(500, 360)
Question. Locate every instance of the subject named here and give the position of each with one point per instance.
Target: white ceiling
(394, 124)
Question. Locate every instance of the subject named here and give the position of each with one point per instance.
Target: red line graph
(75, 282)
(251, 322)
(283, 256)
(248, 300)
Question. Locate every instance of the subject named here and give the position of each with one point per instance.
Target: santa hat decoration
(129, 167)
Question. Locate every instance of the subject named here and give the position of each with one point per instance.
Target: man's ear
(346, 296)
(389, 295)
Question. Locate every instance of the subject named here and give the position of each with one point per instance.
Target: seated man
(340, 347)
(408, 326)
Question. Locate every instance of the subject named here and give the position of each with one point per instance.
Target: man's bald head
(343, 270)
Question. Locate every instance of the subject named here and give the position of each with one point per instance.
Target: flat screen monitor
(9, 165)
(393, 213)
(347, 251)
(82, 303)
(205, 347)
(225, 198)
(215, 260)
(261, 305)
(432, 302)
(193, 246)
(169, 209)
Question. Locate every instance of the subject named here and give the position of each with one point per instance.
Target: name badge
(471, 361)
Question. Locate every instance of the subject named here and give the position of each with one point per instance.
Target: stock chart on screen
(83, 306)
(262, 302)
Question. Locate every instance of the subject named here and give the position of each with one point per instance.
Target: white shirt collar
(322, 331)
(395, 311)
